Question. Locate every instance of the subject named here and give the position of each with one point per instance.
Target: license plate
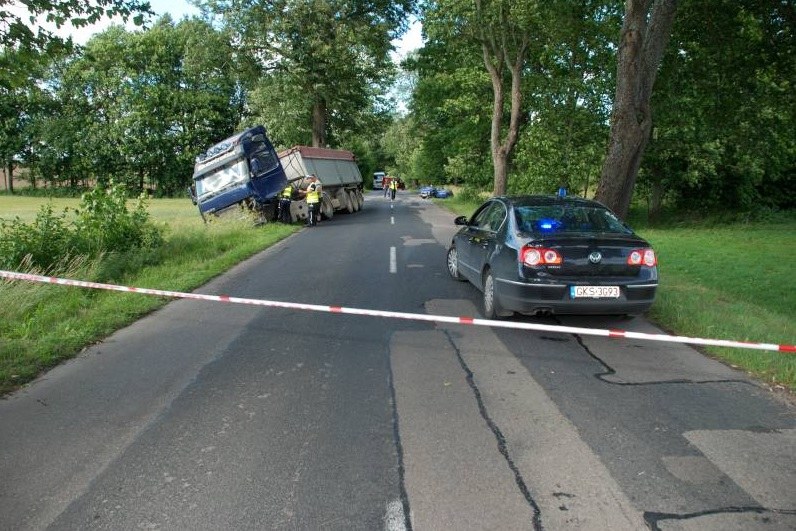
(594, 292)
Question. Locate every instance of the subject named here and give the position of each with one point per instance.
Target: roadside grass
(41, 325)
(724, 281)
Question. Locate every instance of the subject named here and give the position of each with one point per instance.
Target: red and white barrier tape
(409, 316)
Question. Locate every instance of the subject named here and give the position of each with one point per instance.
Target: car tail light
(645, 257)
(534, 256)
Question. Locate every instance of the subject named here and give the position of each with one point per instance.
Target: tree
(17, 29)
(508, 34)
(323, 58)
(137, 107)
(725, 111)
(451, 110)
(645, 32)
(20, 29)
(563, 142)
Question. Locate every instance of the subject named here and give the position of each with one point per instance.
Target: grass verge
(42, 325)
(731, 281)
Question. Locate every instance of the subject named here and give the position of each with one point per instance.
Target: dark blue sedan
(539, 255)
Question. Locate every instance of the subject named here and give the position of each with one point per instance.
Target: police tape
(610, 333)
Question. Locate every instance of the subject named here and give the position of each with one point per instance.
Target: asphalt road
(216, 416)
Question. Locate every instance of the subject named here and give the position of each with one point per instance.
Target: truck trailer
(337, 171)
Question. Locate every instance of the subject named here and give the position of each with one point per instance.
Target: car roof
(545, 200)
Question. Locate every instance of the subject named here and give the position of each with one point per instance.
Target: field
(721, 282)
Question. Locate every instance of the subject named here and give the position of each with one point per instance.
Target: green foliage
(101, 225)
(320, 66)
(133, 107)
(18, 33)
(41, 243)
(41, 325)
(450, 119)
(565, 89)
(724, 110)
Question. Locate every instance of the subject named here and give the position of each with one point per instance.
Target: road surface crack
(501, 440)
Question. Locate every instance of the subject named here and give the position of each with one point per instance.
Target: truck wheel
(354, 201)
(265, 214)
(327, 208)
(347, 202)
(360, 198)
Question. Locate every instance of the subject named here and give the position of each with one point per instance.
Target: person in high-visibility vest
(313, 197)
(393, 188)
(284, 204)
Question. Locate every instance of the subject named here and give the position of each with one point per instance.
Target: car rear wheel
(492, 307)
(453, 264)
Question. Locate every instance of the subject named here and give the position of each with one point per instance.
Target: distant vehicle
(427, 191)
(378, 180)
(541, 255)
(431, 191)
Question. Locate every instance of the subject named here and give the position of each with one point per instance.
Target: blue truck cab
(242, 171)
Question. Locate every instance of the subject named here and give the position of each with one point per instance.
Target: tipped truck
(241, 173)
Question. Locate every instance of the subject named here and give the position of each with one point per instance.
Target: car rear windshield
(543, 220)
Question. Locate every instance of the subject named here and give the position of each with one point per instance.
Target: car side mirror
(460, 220)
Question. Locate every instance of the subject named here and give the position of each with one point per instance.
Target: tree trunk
(502, 148)
(319, 123)
(642, 43)
(10, 178)
(656, 197)
(498, 154)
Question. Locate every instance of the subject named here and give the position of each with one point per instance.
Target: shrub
(102, 225)
(41, 243)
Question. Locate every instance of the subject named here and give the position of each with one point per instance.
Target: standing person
(393, 188)
(385, 184)
(284, 204)
(313, 196)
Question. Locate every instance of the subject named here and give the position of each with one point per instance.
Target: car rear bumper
(532, 299)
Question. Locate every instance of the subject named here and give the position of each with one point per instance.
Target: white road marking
(392, 220)
(393, 261)
(394, 519)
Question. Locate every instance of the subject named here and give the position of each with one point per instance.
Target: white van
(378, 180)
